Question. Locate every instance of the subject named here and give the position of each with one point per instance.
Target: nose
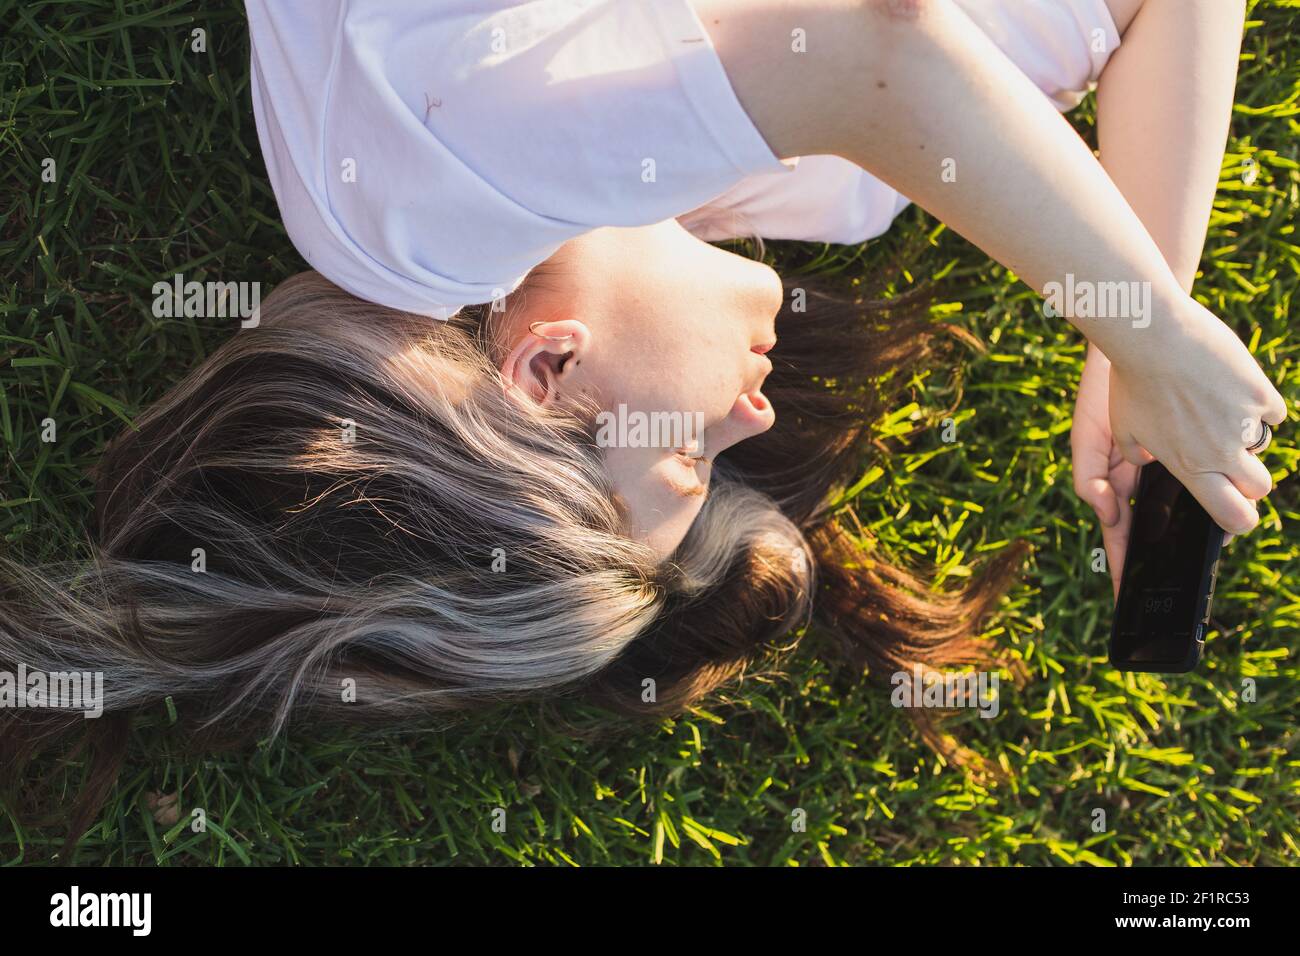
(771, 293)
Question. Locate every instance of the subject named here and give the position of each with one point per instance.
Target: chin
(754, 411)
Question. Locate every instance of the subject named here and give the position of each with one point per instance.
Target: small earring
(554, 338)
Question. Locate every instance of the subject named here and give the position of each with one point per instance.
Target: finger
(1231, 510)
(1133, 453)
(1251, 477)
(1115, 539)
(1124, 481)
(1098, 493)
(1275, 409)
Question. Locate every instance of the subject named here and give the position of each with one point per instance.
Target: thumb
(1133, 452)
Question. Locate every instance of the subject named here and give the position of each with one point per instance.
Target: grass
(158, 171)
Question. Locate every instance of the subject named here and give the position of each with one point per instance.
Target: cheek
(673, 365)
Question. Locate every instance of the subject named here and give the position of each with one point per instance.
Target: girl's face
(662, 330)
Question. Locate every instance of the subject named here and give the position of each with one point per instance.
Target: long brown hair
(458, 550)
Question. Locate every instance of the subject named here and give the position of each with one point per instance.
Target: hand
(1102, 477)
(1192, 396)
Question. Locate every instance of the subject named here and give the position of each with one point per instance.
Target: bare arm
(1163, 107)
(897, 86)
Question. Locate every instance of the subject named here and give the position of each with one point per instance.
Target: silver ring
(1265, 437)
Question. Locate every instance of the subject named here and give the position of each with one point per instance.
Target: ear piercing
(553, 338)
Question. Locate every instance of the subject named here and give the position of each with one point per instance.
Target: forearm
(907, 97)
(1164, 103)
(1028, 191)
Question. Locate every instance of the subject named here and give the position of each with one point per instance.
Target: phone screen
(1168, 577)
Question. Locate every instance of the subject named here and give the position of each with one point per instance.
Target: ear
(545, 358)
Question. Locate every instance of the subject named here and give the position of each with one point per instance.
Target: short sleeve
(820, 199)
(1060, 45)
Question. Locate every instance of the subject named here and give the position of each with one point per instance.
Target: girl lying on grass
(395, 480)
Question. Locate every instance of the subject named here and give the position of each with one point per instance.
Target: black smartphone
(1167, 587)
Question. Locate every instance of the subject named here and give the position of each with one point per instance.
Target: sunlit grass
(159, 172)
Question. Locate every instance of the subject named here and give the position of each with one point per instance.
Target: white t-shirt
(426, 155)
